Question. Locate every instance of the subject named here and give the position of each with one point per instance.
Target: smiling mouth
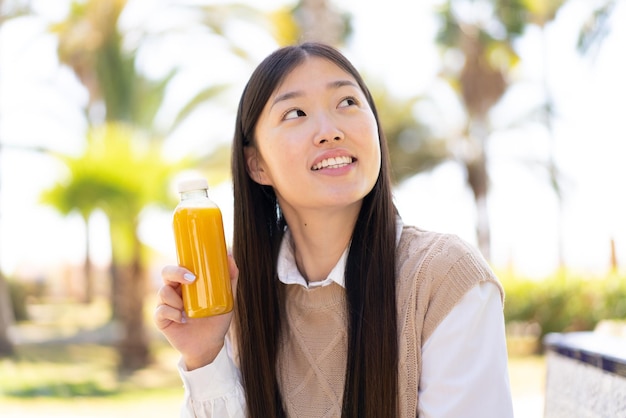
(336, 162)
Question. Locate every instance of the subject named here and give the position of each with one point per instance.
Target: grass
(65, 366)
(81, 380)
(54, 374)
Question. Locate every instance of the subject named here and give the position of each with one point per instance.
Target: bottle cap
(192, 184)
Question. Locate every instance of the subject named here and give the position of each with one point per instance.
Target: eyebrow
(333, 85)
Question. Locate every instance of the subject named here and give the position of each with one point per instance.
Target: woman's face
(316, 141)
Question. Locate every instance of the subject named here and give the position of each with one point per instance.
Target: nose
(328, 131)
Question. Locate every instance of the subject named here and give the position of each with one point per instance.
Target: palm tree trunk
(114, 290)
(553, 170)
(87, 266)
(478, 181)
(6, 319)
(133, 349)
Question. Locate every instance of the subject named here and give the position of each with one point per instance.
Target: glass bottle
(201, 248)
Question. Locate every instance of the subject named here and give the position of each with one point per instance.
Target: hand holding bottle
(196, 300)
(199, 340)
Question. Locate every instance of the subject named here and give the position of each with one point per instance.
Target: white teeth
(335, 162)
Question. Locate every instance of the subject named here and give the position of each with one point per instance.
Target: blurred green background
(505, 124)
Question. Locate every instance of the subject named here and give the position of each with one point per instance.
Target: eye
(293, 113)
(348, 101)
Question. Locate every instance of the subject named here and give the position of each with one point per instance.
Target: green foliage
(121, 172)
(59, 374)
(412, 147)
(62, 390)
(565, 303)
(506, 21)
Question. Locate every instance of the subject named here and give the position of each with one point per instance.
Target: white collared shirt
(288, 272)
(287, 268)
(464, 362)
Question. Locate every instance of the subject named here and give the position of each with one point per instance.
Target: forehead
(313, 72)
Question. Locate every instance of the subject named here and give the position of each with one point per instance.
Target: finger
(176, 274)
(167, 295)
(165, 315)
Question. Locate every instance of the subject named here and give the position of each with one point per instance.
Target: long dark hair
(371, 385)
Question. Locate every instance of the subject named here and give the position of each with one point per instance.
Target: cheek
(282, 147)
(373, 146)
(370, 131)
(278, 161)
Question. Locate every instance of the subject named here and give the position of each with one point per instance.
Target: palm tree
(480, 83)
(590, 39)
(484, 37)
(541, 14)
(91, 44)
(596, 28)
(111, 175)
(77, 195)
(120, 177)
(6, 309)
(121, 172)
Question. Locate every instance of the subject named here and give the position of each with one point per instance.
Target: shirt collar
(288, 272)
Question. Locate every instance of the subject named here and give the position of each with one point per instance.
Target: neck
(320, 238)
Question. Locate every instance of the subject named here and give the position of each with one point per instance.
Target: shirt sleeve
(464, 362)
(214, 390)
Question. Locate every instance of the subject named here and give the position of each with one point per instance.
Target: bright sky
(40, 105)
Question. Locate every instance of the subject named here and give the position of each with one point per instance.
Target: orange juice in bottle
(201, 248)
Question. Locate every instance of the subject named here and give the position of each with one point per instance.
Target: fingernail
(184, 318)
(189, 277)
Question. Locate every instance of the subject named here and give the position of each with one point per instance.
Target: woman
(341, 310)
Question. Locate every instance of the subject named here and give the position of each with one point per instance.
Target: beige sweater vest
(434, 271)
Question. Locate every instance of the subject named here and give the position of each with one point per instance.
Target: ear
(255, 166)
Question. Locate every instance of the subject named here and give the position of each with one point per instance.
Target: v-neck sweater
(433, 272)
